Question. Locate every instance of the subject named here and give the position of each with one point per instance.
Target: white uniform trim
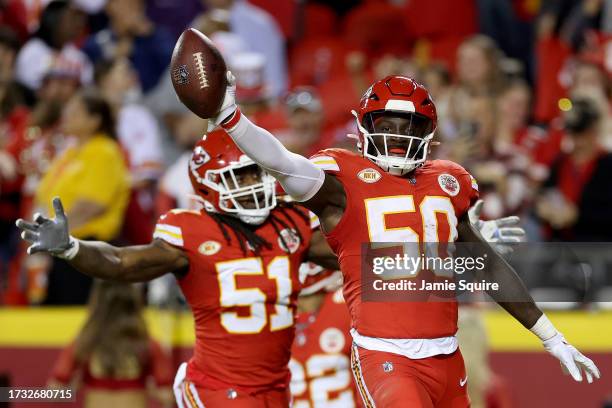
(325, 163)
(367, 399)
(314, 220)
(169, 233)
(412, 348)
(177, 385)
(180, 390)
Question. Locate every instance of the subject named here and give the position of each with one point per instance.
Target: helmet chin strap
(396, 171)
(246, 218)
(253, 219)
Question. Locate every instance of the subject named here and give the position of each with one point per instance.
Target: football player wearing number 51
(404, 353)
(237, 264)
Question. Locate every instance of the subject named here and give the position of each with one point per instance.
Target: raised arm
(300, 178)
(514, 297)
(98, 259)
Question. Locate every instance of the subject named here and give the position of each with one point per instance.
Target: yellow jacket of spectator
(94, 171)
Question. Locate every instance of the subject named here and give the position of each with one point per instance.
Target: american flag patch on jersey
(325, 163)
(169, 233)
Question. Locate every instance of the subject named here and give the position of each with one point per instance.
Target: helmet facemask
(398, 142)
(250, 201)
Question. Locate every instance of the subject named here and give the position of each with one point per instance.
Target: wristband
(544, 328)
(230, 122)
(71, 252)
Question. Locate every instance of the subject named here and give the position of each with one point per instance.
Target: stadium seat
(378, 27)
(315, 60)
(319, 21)
(284, 13)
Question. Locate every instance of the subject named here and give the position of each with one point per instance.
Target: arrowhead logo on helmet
(396, 120)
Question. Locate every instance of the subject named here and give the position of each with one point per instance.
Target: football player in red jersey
(404, 353)
(237, 264)
(321, 353)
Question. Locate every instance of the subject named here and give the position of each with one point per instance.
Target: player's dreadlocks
(245, 233)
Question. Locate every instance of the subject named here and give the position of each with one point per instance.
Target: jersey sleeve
(314, 221)
(170, 228)
(468, 194)
(325, 161)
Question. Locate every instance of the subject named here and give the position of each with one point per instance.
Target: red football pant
(196, 397)
(188, 395)
(389, 380)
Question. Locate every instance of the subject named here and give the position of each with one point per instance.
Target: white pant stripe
(181, 394)
(368, 401)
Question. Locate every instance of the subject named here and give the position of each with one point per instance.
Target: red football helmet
(396, 121)
(218, 170)
(315, 278)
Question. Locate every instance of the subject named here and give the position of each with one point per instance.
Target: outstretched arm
(514, 297)
(99, 259)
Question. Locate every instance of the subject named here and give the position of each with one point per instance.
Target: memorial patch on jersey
(369, 175)
(169, 233)
(331, 340)
(448, 184)
(325, 163)
(209, 248)
(292, 239)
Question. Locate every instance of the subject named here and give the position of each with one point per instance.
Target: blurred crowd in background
(87, 110)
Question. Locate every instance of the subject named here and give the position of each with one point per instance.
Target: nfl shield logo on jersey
(291, 238)
(449, 184)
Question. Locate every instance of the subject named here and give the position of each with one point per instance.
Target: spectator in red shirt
(515, 132)
(113, 359)
(575, 200)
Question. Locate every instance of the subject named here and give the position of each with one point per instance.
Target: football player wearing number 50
(404, 353)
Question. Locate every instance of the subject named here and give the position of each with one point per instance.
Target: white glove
(498, 232)
(572, 361)
(228, 107)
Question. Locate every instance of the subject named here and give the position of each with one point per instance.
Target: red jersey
(243, 305)
(424, 206)
(320, 357)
